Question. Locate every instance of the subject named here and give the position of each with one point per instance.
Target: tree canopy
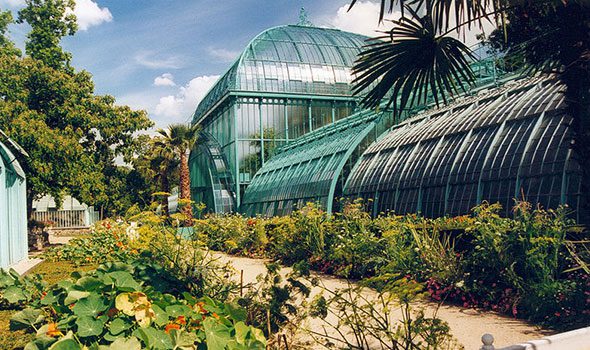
(72, 135)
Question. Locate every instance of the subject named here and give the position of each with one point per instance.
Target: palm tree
(418, 58)
(177, 140)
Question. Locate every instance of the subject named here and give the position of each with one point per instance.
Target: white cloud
(13, 3)
(89, 14)
(179, 107)
(151, 60)
(224, 55)
(165, 79)
(363, 18)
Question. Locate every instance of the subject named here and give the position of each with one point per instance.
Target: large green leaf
(236, 312)
(75, 295)
(88, 326)
(217, 335)
(161, 316)
(119, 326)
(89, 283)
(26, 319)
(126, 344)
(65, 344)
(124, 281)
(153, 338)
(182, 339)
(5, 279)
(178, 310)
(90, 306)
(14, 294)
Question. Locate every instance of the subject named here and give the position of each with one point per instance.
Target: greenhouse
(282, 128)
(13, 209)
(289, 80)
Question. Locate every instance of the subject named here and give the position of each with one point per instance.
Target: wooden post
(241, 283)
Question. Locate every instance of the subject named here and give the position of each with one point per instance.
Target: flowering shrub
(515, 266)
(108, 240)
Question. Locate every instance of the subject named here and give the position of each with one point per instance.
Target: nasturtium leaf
(182, 339)
(89, 283)
(234, 345)
(90, 306)
(178, 310)
(5, 279)
(40, 343)
(154, 338)
(125, 344)
(14, 294)
(258, 335)
(75, 295)
(217, 335)
(65, 344)
(144, 315)
(25, 319)
(241, 332)
(111, 338)
(119, 326)
(88, 326)
(65, 284)
(66, 323)
(124, 281)
(161, 316)
(124, 304)
(51, 298)
(236, 312)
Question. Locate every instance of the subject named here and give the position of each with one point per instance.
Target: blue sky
(163, 55)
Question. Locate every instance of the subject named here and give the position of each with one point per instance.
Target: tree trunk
(165, 187)
(185, 188)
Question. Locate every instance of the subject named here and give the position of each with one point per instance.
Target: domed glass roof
(291, 59)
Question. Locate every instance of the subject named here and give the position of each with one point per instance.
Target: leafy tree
(178, 140)
(50, 21)
(417, 58)
(72, 135)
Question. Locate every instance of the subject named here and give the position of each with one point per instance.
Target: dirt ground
(467, 325)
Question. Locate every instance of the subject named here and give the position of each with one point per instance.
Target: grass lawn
(52, 272)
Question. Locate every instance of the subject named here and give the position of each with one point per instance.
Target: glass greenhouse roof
(290, 59)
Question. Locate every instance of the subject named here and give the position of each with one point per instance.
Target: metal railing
(67, 219)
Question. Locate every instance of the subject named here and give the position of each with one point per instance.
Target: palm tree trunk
(185, 188)
(165, 187)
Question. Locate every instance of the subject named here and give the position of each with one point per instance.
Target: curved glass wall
(211, 180)
(292, 59)
(311, 169)
(500, 145)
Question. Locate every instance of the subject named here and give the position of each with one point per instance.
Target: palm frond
(411, 63)
(442, 11)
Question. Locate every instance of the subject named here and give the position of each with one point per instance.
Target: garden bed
(52, 272)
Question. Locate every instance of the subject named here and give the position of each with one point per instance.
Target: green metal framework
(289, 81)
(312, 168)
(499, 145)
(13, 210)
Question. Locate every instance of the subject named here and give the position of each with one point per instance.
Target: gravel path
(467, 325)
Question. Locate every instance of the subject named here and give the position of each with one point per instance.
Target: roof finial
(303, 21)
